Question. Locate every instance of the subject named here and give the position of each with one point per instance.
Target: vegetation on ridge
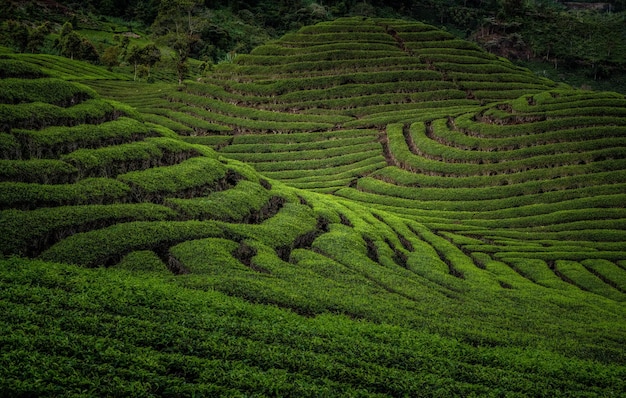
(429, 220)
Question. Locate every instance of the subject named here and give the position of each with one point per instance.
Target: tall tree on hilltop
(179, 24)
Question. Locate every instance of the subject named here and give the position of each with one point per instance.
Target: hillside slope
(367, 207)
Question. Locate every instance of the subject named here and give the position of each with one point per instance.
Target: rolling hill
(365, 207)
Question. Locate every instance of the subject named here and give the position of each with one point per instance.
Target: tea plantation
(366, 207)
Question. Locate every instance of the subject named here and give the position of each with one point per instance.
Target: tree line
(215, 30)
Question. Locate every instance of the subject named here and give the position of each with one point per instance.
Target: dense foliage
(362, 207)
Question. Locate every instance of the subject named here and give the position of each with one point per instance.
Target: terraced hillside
(365, 207)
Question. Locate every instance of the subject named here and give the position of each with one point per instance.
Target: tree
(111, 57)
(69, 41)
(147, 56)
(179, 27)
(18, 34)
(37, 37)
(72, 45)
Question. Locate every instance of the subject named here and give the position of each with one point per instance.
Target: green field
(365, 207)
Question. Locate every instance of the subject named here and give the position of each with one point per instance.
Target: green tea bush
(278, 50)
(38, 115)
(246, 202)
(334, 55)
(113, 160)
(335, 37)
(343, 66)
(192, 177)
(31, 232)
(167, 123)
(13, 68)
(260, 125)
(107, 246)
(342, 171)
(427, 35)
(304, 155)
(573, 271)
(27, 196)
(252, 113)
(52, 91)
(334, 161)
(69, 69)
(142, 261)
(212, 256)
(52, 142)
(42, 171)
(263, 146)
(610, 273)
(9, 147)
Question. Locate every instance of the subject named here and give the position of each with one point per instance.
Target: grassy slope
(434, 270)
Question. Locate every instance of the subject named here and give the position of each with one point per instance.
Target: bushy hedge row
(443, 133)
(39, 115)
(277, 50)
(611, 273)
(253, 113)
(113, 160)
(69, 69)
(26, 196)
(260, 125)
(304, 155)
(456, 44)
(107, 246)
(341, 66)
(567, 177)
(358, 90)
(243, 203)
(560, 98)
(490, 86)
(501, 77)
(52, 142)
(52, 91)
(388, 198)
(335, 161)
(167, 123)
(10, 148)
(479, 68)
(355, 28)
(581, 277)
(365, 105)
(13, 68)
(286, 85)
(320, 56)
(426, 35)
(469, 125)
(433, 149)
(410, 116)
(534, 104)
(31, 232)
(190, 178)
(262, 146)
(352, 169)
(42, 171)
(464, 54)
(304, 40)
(256, 140)
(196, 125)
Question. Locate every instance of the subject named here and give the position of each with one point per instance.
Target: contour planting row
(228, 347)
(407, 153)
(68, 69)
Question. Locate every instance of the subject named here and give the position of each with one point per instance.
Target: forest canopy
(588, 36)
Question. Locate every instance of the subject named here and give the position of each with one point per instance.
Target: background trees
(212, 31)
